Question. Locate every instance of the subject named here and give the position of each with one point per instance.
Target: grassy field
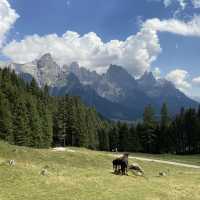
(87, 175)
(189, 159)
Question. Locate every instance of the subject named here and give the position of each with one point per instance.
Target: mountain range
(115, 94)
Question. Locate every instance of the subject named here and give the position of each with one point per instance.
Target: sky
(162, 36)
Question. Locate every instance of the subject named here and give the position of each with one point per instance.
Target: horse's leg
(114, 168)
(126, 170)
(122, 170)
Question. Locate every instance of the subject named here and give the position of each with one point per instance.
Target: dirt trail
(164, 162)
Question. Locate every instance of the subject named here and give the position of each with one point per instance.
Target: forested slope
(30, 117)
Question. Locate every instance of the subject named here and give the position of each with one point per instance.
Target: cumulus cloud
(8, 16)
(196, 3)
(136, 53)
(189, 28)
(196, 81)
(181, 3)
(180, 79)
(156, 72)
(167, 3)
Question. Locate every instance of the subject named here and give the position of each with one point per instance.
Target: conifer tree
(6, 132)
(165, 119)
(149, 134)
(133, 140)
(103, 140)
(35, 123)
(123, 136)
(21, 127)
(113, 137)
(163, 134)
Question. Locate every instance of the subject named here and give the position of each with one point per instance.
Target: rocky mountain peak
(46, 61)
(46, 56)
(148, 77)
(74, 68)
(47, 70)
(72, 77)
(120, 77)
(115, 69)
(147, 80)
(85, 76)
(74, 65)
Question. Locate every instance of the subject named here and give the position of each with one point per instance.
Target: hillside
(30, 117)
(80, 174)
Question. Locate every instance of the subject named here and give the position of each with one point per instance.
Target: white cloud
(189, 28)
(136, 53)
(156, 72)
(8, 16)
(183, 3)
(196, 3)
(167, 3)
(179, 78)
(196, 81)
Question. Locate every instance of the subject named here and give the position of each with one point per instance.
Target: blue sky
(174, 53)
(110, 19)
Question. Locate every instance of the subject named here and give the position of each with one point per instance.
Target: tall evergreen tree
(163, 135)
(6, 132)
(165, 119)
(133, 140)
(21, 127)
(114, 137)
(35, 123)
(103, 139)
(149, 117)
(123, 136)
(149, 135)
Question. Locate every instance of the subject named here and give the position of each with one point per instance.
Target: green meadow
(80, 174)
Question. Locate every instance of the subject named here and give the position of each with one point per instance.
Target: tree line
(29, 116)
(177, 135)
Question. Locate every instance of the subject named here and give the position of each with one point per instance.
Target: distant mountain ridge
(115, 94)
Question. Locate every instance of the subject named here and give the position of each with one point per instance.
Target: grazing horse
(121, 164)
(117, 165)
